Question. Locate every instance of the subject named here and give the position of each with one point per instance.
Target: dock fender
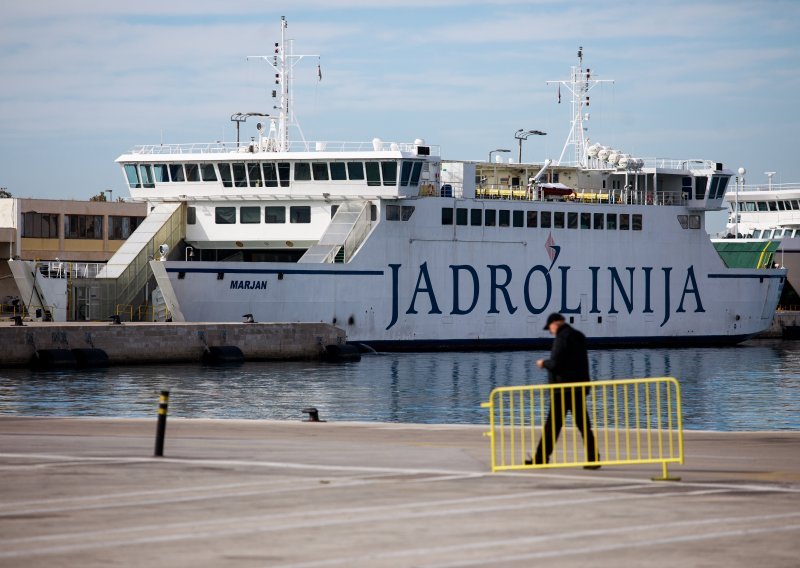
(53, 359)
(222, 355)
(90, 357)
(341, 353)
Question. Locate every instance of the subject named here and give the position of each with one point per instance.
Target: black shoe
(592, 467)
(529, 460)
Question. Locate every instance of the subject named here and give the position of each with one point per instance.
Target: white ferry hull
(458, 288)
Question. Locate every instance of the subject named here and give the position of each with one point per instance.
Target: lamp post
(739, 181)
(523, 134)
(240, 117)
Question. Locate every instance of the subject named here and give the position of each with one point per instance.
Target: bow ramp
(349, 227)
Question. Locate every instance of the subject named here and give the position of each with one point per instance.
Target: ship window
(338, 171)
(558, 219)
(519, 218)
(700, 184)
(320, 170)
(83, 226)
(270, 179)
(686, 187)
(273, 214)
(545, 220)
(723, 185)
(684, 221)
(224, 215)
(373, 212)
(749, 206)
(283, 173)
(239, 174)
(133, 175)
(191, 215)
(586, 220)
(694, 222)
(462, 214)
(373, 173)
(712, 191)
(147, 175)
(757, 234)
(781, 206)
(207, 172)
(406, 211)
(624, 222)
(504, 218)
(249, 215)
(392, 212)
(300, 214)
(533, 217)
(476, 217)
(40, 225)
(447, 216)
(192, 172)
(225, 175)
(254, 173)
(162, 174)
(302, 171)
(762, 205)
(796, 204)
(176, 172)
(572, 220)
(389, 170)
(611, 221)
(636, 222)
(598, 221)
(415, 173)
(772, 206)
(405, 173)
(490, 217)
(355, 171)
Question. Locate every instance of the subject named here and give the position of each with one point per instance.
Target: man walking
(568, 363)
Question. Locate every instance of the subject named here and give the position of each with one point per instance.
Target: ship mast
(283, 62)
(579, 84)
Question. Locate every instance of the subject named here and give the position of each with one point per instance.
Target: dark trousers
(561, 403)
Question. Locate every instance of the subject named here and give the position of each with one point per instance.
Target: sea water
(753, 386)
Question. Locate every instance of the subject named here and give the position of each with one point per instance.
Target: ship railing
(673, 164)
(767, 187)
(634, 421)
(244, 147)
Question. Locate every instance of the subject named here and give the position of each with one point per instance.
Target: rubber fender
(341, 353)
(86, 358)
(53, 359)
(222, 355)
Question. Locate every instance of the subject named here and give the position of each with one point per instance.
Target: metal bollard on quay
(161, 429)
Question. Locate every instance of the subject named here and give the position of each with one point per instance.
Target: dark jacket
(569, 360)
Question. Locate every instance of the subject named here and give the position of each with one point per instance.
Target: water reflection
(755, 386)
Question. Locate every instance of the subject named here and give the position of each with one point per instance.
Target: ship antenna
(283, 62)
(579, 84)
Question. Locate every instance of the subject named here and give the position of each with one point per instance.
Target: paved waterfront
(86, 492)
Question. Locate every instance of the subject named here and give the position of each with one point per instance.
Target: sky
(85, 81)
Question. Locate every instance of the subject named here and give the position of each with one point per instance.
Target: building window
(274, 214)
(40, 225)
(249, 215)
(300, 214)
(83, 226)
(224, 215)
(120, 228)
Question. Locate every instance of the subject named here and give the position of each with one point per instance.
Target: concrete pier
(148, 343)
(87, 492)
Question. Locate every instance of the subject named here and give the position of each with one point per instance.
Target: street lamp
(110, 193)
(496, 150)
(523, 134)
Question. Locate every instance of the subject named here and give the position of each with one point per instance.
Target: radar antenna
(579, 84)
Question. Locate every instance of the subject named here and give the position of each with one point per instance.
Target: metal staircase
(348, 228)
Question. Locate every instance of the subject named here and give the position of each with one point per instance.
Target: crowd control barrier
(635, 421)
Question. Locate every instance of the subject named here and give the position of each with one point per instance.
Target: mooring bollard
(163, 404)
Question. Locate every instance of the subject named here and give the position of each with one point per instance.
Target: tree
(4, 193)
(99, 197)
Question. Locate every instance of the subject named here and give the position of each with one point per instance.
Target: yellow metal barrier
(635, 421)
(123, 309)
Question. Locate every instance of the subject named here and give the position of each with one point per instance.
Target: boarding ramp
(347, 230)
(42, 290)
(635, 421)
(129, 267)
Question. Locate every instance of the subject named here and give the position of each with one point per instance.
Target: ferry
(767, 225)
(406, 250)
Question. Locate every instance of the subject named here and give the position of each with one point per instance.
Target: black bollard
(313, 414)
(163, 404)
